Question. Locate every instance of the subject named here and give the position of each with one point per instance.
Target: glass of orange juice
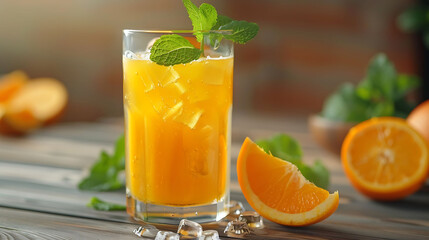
(177, 131)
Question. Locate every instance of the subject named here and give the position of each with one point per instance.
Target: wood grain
(39, 198)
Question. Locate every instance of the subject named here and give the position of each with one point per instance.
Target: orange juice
(178, 130)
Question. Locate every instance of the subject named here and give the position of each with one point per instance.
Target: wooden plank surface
(39, 198)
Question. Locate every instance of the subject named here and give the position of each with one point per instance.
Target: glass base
(172, 215)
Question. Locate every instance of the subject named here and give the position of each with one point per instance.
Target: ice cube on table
(190, 228)
(147, 231)
(253, 219)
(210, 235)
(170, 76)
(236, 208)
(167, 235)
(237, 228)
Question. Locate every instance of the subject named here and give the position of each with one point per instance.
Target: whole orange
(419, 119)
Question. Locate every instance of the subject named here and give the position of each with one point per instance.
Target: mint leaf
(282, 146)
(381, 109)
(173, 49)
(380, 80)
(242, 31)
(285, 147)
(202, 18)
(221, 20)
(208, 16)
(345, 105)
(101, 205)
(193, 12)
(405, 84)
(119, 152)
(317, 174)
(104, 173)
(216, 38)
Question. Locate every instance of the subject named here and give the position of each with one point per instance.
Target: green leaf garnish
(221, 21)
(104, 174)
(285, 147)
(345, 105)
(242, 31)
(282, 146)
(101, 205)
(202, 18)
(208, 16)
(173, 49)
(317, 174)
(381, 93)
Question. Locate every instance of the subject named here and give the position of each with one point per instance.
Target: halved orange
(385, 158)
(278, 191)
(37, 103)
(10, 84)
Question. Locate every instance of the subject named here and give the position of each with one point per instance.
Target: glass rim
(127, 31)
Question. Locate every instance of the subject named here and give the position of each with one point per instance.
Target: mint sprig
(101, 205)
(104, 174)
(242, 31)
(174, 49)
(221, 21)
(202, 18)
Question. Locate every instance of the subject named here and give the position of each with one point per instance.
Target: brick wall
(304, 50)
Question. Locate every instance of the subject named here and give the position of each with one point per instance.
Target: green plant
(382, 92)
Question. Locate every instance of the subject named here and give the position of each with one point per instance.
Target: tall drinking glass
(177, 131)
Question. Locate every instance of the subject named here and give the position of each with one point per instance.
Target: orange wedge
(278, 191)
(385, 158)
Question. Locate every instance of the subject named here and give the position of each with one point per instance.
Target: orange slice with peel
(385, 158)
(278, 191)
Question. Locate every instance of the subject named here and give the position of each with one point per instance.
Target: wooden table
(39, 198)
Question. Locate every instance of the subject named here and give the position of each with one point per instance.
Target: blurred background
(304, 51)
